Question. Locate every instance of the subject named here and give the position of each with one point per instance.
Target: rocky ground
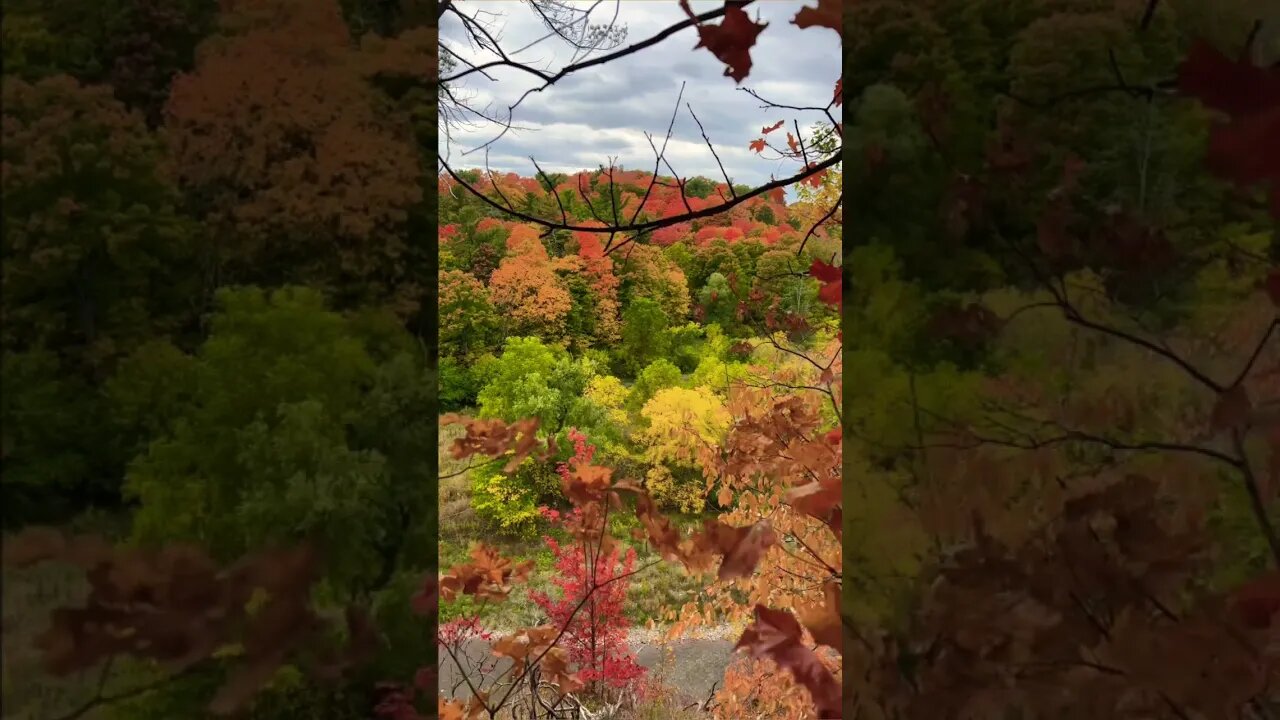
(691, 665)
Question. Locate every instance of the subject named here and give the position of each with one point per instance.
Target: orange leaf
(839, 96)
(450, 709)
(724, 497)
(815, 179)
(823, 621)
(757, 145)
(791, 143)
(776, 634)
(742, 547)
(772, 127)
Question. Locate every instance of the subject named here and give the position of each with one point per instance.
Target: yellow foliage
(684, 426)
(687, 496)
(609, 393)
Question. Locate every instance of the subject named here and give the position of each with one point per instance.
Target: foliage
(528, 295)
(468, 321)
(279, 139)
(654, 377)
(294, 427)
(683, 425)
(96, 256)
(644, 335)
(134, 46)
(533, 380)
(596, 639)
(506, 503)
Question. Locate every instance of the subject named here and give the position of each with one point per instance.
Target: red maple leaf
(730, 41)
(1233, 87)
(771, 128)
(757, 145)
(827, 15)
(839, 96)
(814, 179)
(791, 142)
(831, 279)
(1245, 150)
(1259, 600)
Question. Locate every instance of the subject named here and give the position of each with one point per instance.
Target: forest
(281, 402)
(218, 341)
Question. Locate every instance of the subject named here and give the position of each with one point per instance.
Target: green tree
(135, 46)
(96, 259)
(719, 303)
(301, 423)
(468, 322)
(657, 375)
(644, 335)
(534, 380)
(699, 187)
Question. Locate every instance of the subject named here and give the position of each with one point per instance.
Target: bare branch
(652, 224)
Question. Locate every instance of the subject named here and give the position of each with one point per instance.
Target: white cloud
(605, 111)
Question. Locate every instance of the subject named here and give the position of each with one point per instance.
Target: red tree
(595, 624)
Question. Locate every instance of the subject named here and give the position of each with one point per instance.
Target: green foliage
(56, 440)
(534, 380)
(657, 375)
(295, 427)
(686, 346)
(644, 335)
(458, 386)
(136, 46)
(719, 303)
(96, 260)
(581, 322)
(699, 187)
(150, 391)
(468, 321)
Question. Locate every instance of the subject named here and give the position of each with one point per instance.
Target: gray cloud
(605, 111)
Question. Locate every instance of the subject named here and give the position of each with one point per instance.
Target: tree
(277, 431)
(647, 274)
(298, 425)
(644, 334)
(526, 291)
(279, 140)
(718, 303)
(533, 380)
(97, 260)
(468, 322)
(655, 376)
(134, 46)
(96, 257)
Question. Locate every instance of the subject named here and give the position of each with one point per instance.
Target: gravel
(697, 659)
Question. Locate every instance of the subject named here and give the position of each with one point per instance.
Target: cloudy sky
(604, 111)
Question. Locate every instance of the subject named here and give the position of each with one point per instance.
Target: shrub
(506, 503)
(656, 376)
(683, 490)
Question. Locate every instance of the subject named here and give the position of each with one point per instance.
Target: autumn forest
(484, 359)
